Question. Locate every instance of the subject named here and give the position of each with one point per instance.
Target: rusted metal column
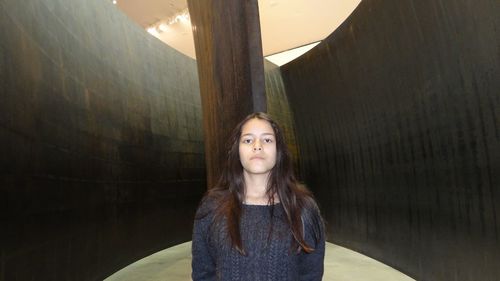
(230, 67)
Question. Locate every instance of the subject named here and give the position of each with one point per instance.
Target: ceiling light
(153, 31)
(163, 25)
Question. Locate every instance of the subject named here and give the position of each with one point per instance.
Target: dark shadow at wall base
(58, 246)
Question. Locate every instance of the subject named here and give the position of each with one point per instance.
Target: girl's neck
(255, 189)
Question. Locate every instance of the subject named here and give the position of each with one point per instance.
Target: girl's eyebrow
(264, 134)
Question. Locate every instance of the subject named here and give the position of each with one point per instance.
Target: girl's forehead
(257, 125)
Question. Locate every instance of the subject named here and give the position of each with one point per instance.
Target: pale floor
(174, 264)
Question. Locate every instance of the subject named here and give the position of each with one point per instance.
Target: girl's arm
(203, 263)
(311, 265)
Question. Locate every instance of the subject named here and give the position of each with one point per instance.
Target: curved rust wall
(101, 147)
(278, 106)
(398, 123)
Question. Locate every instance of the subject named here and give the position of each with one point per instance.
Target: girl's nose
(257, 146)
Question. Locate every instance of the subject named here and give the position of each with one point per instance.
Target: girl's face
(257, 147)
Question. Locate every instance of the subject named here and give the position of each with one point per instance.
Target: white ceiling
(285, 24)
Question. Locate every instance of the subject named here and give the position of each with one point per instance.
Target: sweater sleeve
(202, 263)
(311, 265)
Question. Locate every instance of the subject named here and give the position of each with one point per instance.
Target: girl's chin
(257, 171)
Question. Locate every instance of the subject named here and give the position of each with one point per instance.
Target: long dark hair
(229, 191)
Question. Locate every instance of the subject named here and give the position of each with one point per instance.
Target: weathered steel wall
(279, 107)
(101, 146)
(398, 123)
(230, 66)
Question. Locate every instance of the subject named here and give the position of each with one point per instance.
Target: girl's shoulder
(306, 198)
(210, 202)
(310, 211)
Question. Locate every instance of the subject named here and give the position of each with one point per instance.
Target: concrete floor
(174, 264)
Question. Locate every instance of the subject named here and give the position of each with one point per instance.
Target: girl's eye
(268, 140)
(247, 141)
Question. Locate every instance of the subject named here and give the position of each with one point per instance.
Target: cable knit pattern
(268, 258)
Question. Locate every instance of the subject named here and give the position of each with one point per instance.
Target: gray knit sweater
(268, 258)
